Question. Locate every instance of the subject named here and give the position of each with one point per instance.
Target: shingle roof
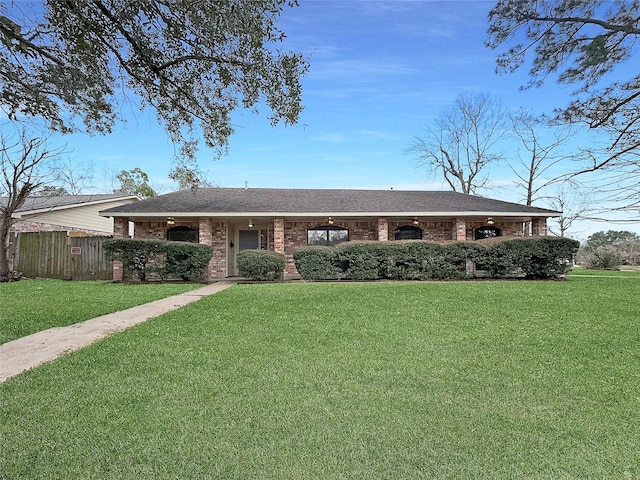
(230, 201)
(40, 203)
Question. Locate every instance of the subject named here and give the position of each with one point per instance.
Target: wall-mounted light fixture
(330, 220)
(490, 221)
(250, 223)
(415, 221)
(171, 221)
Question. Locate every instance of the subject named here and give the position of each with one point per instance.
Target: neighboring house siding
(80, 217)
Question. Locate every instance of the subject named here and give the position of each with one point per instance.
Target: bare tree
(580, 42)
(73, 178)
(573, 202)
(460, 144)
(535, 169)
(23, 162)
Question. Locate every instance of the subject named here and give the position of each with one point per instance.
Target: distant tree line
(610, 249)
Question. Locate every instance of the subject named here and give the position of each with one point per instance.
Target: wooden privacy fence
(59, 255)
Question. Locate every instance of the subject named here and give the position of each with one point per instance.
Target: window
(408, 233)
(182, 234)
(328, 236)
(486, 232)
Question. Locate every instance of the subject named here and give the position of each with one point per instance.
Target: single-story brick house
(234, 219)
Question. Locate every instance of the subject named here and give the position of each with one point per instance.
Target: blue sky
(379, 73)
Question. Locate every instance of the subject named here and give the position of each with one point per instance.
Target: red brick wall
(433, 231)
(539, 227)
(154, 230)
(507, 229)
(443, 231)
(295, 236)
(209, 233)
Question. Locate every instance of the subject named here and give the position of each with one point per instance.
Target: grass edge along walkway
(28, 352)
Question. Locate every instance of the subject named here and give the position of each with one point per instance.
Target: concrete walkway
(28, 352)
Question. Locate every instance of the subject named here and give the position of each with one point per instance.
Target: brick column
(280, 246)
(120, 230)
(461, 229)
(278, 235)
(120, 227)
(383, 229)
(204, 231)
(205, 235)
(539, 227)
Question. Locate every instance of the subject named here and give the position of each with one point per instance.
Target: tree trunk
(5, 223)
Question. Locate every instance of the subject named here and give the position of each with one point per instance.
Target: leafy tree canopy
(194, 62)
(580, 41)
(611, 238)
(134, 182)
(50, 191)
(611, 248)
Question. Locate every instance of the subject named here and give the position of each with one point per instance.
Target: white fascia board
(333, 214)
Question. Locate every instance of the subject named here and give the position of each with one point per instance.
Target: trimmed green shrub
(459, 254)
(261, 264)
(433, 261)
(497, 261)
(317, 263)
(166, 259)
(186, 260)
(535, 258)
(545, 257)
(417, 261)
(362, 260)
(136, 255)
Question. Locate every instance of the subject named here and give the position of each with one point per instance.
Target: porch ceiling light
(250, 223)
(171, 221)
(330, 220)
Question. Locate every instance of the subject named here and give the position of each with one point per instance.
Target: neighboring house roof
(74, 212)
(245, 202)
(34, 205)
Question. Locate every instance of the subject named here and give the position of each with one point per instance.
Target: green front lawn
(623, 272)
(30, 306)
(346, 380)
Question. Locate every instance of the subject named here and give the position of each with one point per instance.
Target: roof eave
(487, 213)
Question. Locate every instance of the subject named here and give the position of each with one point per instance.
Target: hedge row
(168, 260)
(535, 258)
